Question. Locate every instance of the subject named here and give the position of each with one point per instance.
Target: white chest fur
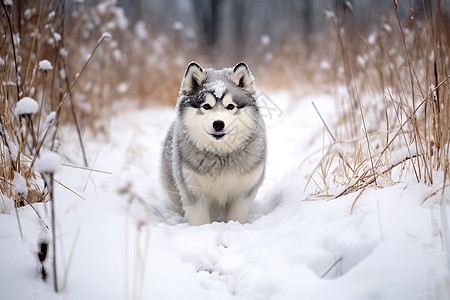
(222, 188)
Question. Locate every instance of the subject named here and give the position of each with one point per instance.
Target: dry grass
(396, 107)
(81, 89)
(142, 65)
(24, 136)
(298, 67)
(20, 76)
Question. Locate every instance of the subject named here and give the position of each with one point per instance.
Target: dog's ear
(242, 77)
(193, 78)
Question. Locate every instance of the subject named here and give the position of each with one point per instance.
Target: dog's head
(217, 108)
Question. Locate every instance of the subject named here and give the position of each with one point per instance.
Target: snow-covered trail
(126, 242)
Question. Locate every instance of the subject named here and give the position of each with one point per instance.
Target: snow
(126, 240)
(178, 26)
(49, 162)
(26, 106)
(122, 88)
(51, 15)
(103, 7)
(349, 5)
(218, 87)
(372, 38)
(268, 56)
(62, 74)
(361, 61)
(56, 37)
(117, 54)
(265, 40)
(50, 118)
(338, 148)
(401, 155)
(13, 150)
(140, 30)
(387, 27)
(121, 20)
(329, 14)
(105, 35)
(16, 39)
(433, 90)
(28, 13)
(20, 184)
(45, 65)
(324, 65)
(63, 53)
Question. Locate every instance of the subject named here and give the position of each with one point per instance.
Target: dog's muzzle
(218, 126)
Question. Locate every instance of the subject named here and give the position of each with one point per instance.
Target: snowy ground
(131, 244)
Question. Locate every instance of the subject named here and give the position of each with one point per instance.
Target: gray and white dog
(214, 155)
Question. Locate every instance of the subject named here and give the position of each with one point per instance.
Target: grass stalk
(64, 99)
(331, 268)
(332, 136)
(13, 48)
(52, 199)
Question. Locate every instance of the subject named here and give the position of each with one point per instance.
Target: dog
(214, 154)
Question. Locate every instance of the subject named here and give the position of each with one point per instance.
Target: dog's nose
(218, 125)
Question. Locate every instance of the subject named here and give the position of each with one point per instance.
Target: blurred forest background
(285, 42)
(230, 30)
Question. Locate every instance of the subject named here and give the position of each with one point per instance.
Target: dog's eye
(230, 107)
(207, 107)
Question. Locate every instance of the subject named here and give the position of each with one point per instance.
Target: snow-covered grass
(118, 238)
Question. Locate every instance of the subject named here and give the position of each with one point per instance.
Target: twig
(18, 223)
(75, 119)
(41, 106)
(331, 268)
(323, 121)
(356, 199)
(65, 186)
(141, 257)
(66, 271)
(126, 260)
(87, 169)
(365, 133)
(90, 172)
(37, 213)
(408, 60)
(373, 179)
(411, 79)
(440, 189)
(332, 136)
(58, 109)
(14, 49)
(52, 199)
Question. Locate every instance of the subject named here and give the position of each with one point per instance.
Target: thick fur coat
(214, 154)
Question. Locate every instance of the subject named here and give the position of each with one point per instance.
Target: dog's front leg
(239, 207)
(197, 213)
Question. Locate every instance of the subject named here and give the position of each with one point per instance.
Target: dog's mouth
(218, 135)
